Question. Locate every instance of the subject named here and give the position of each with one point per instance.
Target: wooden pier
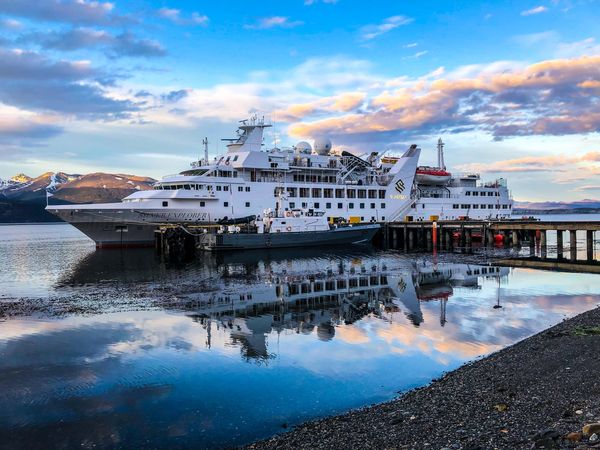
(180, 242)
(445, 235)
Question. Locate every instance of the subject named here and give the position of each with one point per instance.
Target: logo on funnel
(400, 186)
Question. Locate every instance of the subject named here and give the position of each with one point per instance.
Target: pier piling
(559, 244)
(421, 235)
(543, 244)
(532, 234)
(573, 244)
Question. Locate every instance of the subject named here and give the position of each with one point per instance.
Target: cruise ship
(248, 179)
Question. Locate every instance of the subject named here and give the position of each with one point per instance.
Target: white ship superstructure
(247, 180)
(442, 196)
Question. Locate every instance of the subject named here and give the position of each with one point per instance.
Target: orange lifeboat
(432, 175)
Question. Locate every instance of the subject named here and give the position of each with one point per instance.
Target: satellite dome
(322, 146)
(303, 147)
(325, 331)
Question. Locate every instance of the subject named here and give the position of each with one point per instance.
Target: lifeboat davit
(432, 175)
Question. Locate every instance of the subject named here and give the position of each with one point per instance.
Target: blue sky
(512, 87)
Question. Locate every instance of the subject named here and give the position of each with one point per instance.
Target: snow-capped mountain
(23, 198)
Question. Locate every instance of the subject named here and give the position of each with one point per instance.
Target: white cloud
(537, 10)
(417, 55)
(174, 15)
(588, 187)
(549, 42)
(370, 32)
(10, 24)
(71, 11)
(265, 23)
(587, 46)
(534, 39)
(312, 2)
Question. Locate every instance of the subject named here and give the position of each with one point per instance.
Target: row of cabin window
(482, 193)
(320, 286)
(339, 205)
(202, 204)
(455, 206)
(315, 205)
(315, 178)
(188, 187)
(484, 271)
(304, 205)
(329, 193)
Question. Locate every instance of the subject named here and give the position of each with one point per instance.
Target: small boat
(236, 221)
(432, 175)
(291, 228)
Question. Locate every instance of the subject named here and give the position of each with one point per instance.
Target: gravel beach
(543, 392)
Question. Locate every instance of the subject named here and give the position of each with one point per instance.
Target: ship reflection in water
(321, 303)
(237, 347)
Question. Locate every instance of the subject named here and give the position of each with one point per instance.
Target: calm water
(115, 348)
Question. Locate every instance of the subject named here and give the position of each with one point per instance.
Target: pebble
(501, 407)
(591, 428)
(574, 436)
(579, 412)
(594, 437)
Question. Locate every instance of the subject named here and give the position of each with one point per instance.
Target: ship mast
(205, 143)
(440, 149)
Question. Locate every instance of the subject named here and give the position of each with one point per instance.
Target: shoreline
(532, 394)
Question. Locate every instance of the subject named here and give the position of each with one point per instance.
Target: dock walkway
(446, 234)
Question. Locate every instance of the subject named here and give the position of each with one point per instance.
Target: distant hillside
(23, 199)
(581, 206)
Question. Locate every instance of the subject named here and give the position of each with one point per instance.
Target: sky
(512, 87)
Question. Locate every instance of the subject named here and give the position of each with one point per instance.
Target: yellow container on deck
(434, 218)
(354, 219)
